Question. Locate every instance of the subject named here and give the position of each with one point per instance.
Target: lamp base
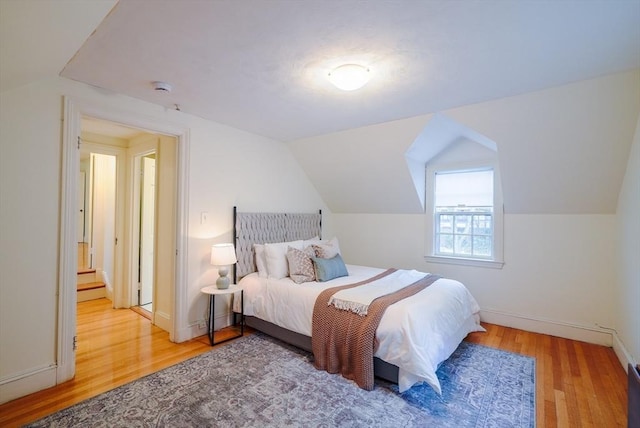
(223, 280)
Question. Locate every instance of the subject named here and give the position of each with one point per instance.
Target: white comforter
(415, 334)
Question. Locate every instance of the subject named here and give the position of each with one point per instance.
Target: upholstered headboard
(264, 228)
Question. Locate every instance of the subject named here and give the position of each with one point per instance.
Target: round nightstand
(214, 291)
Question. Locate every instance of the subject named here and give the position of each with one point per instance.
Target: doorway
(122, 214)
(99, 199)
(171, 315)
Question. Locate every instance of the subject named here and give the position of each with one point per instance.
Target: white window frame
(497, 260)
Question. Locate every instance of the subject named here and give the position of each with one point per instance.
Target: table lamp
(222, 256)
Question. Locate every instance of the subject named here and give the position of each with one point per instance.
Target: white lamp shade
(349, 77)
(223, 255)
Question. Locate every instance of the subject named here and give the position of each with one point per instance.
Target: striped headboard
(264, 228)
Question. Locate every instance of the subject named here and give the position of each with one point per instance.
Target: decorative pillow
(261, 261)
(327, 250)
(300, 265)
(327, 269)
(276, 258)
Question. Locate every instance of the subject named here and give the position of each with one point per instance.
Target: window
(465, 224)
(464, 214)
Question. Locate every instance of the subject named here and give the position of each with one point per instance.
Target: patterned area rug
(257, 381)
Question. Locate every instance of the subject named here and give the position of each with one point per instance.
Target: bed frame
(262, 228)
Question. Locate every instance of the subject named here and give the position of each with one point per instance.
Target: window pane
(462, 245)
(446, 223)
(463, 224)
(482, 225)
(482, 246)
(445, 244)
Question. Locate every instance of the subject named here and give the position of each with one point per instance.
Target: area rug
(257, 381)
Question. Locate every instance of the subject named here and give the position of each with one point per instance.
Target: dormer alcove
(445, 141)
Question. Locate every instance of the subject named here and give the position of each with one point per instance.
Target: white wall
(627, 292)
(225, 167)
(557, 277)
(29, 216)
(104, 217)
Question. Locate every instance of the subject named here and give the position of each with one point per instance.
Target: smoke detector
(162, 86)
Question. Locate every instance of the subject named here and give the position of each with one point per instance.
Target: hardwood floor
(115, 346)
(578, 384)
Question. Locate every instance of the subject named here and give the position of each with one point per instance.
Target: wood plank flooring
(115, 346)
(578, 384)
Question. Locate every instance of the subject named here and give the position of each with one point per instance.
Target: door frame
(135, 154)
(74, 109)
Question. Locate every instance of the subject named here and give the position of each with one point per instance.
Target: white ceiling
(37, 38)
(261, 65)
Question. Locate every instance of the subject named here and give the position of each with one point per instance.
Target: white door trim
(73, 111)
(67, 294)
(133, 154)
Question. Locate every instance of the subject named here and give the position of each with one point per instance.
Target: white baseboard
(553, 328)
(162, 320)
(621, 352)
(194, 330)
(27, 383)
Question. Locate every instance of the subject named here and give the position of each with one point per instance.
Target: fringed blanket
(345, 342)
(358, 299)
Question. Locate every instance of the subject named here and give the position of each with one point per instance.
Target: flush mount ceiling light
(349, 77)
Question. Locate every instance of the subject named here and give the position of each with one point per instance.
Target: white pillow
(327, 250)
(276, 258)
(261, 260)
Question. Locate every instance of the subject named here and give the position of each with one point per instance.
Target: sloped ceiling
(37, 38)
(363, 170)
(561, 150)
(262, 66)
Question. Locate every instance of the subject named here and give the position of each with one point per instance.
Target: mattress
(415, 334)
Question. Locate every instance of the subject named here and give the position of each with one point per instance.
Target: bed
(415, 334)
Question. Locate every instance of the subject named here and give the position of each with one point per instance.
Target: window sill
(493, 264)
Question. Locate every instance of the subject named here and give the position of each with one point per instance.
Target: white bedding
(415, 334)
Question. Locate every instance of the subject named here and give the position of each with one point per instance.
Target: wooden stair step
(91, 286)
(86, 271)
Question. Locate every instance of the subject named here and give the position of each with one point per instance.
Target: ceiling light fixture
(349, 77)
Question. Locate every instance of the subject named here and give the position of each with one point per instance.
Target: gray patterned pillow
(300, 264)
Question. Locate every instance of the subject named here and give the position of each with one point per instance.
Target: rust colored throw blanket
(344, 342)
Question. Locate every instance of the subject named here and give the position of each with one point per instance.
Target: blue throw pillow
(327, 269)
